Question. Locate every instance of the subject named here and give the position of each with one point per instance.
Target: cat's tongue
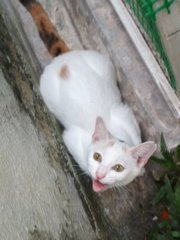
(97, 186)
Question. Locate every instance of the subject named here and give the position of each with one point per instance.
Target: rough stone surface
(38, 201)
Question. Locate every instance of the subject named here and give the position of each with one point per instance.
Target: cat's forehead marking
(110, 143)
(64, 72)
(116, 145)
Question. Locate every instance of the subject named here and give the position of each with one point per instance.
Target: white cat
(101, 133)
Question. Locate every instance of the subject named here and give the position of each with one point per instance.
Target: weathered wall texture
(169, 27)
(43, 196)
(35, 199)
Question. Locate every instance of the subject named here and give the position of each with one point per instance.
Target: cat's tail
(47, 31)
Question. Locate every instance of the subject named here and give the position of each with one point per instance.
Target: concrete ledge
(148, 58)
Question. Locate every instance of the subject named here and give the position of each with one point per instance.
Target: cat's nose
(100, 174)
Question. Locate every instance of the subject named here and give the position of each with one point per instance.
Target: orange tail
(47, 31)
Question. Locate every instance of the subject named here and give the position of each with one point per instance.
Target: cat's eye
(97, 156)
(118, 168)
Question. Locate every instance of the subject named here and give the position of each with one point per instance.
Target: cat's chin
(97, 186)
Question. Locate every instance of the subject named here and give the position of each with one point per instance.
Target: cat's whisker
(82, 174)
(74, 165)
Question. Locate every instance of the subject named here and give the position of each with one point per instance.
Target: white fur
(90, 90)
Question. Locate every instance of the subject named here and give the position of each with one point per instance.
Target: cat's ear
(143, 152)
(100, 132)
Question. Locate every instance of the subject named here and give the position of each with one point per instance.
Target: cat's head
(111, 162)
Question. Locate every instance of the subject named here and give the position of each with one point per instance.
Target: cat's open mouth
(98, 186)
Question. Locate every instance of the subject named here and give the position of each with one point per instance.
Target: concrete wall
(32, 206)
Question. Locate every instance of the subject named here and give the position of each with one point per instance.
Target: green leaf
(163, 144)
(163, 225)
(178, 152)
(174, 223)
(165, 193)
(164, 150)
(177, 197)
(175, 234)
(163, 162)
(159, 195)
(169, 190)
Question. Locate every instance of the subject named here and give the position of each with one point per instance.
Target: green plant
(168, 195)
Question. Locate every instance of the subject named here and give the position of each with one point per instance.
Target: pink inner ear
(100, 132)
(143, 152)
